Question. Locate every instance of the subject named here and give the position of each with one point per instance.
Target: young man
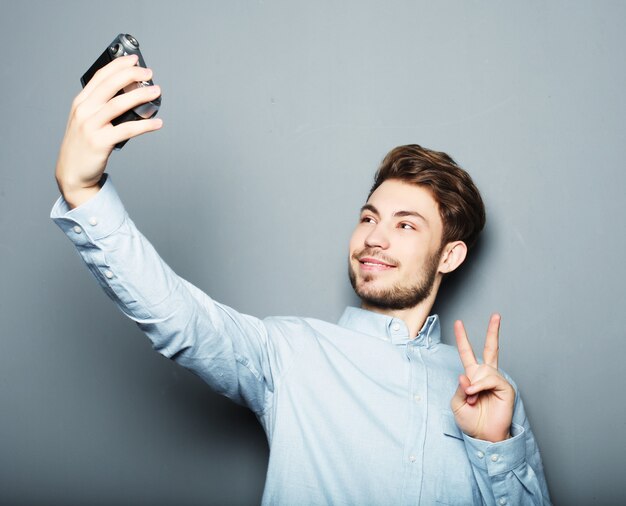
(372, 410)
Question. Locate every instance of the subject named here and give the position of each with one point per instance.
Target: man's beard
(396, 297)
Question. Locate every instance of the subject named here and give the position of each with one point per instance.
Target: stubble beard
(398, 296)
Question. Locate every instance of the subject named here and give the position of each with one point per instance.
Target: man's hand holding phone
(90, 135)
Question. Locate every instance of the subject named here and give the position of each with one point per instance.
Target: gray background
(276, 115)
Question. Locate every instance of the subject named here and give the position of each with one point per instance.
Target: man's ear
(453, 255)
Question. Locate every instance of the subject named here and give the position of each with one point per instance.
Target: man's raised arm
(227, 349)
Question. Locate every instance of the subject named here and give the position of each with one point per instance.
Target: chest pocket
(450, 428)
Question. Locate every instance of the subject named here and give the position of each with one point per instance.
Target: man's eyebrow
(370, 207)
(397, 214)
(410, 213)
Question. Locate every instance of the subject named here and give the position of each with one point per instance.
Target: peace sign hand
(483, 402)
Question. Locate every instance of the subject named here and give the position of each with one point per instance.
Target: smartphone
(125, 44)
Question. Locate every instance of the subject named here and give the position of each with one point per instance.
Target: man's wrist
(75, 195)
(490, 439)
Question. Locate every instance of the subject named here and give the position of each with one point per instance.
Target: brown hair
(460, 205)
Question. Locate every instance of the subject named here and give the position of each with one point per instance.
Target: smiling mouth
(373, 264)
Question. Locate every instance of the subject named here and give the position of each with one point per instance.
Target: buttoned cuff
(94, 219)
(497, 458)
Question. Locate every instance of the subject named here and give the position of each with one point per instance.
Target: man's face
(396, 247)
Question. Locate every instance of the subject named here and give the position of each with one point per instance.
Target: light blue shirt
(355, 412)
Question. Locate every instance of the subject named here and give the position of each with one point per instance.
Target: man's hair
(460, 205)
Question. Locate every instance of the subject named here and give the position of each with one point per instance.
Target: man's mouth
(374, 264)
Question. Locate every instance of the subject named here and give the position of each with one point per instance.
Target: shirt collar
(389, 328)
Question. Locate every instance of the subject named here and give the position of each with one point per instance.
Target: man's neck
(413, 317)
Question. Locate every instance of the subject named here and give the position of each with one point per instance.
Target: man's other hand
(483, 402)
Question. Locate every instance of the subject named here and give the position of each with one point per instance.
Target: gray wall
(276, 115)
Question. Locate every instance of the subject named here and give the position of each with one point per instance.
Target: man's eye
(367, 219)
(407, 226)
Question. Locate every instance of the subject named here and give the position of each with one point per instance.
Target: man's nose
(377, 238)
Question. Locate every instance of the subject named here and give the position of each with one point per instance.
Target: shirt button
(480, 454)
(502, 501)
(412, 458)
(494, 458)
(396, 326)
(77, 229)
(108, 274)
(417, 398)
(93, 221)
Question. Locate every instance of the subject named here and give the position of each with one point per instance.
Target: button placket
(416, 433)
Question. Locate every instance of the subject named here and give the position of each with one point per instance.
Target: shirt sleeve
(510, 472)
(229, 350)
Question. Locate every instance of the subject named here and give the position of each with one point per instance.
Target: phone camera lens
(132, 40)
(115, 49)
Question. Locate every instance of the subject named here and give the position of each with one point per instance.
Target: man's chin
(369, 291)
(372, 288)
(386, 296)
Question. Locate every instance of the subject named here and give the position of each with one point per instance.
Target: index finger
(490, 353)
(103, 73)
(462, 343)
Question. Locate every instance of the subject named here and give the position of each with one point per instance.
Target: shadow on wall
(452, 286)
